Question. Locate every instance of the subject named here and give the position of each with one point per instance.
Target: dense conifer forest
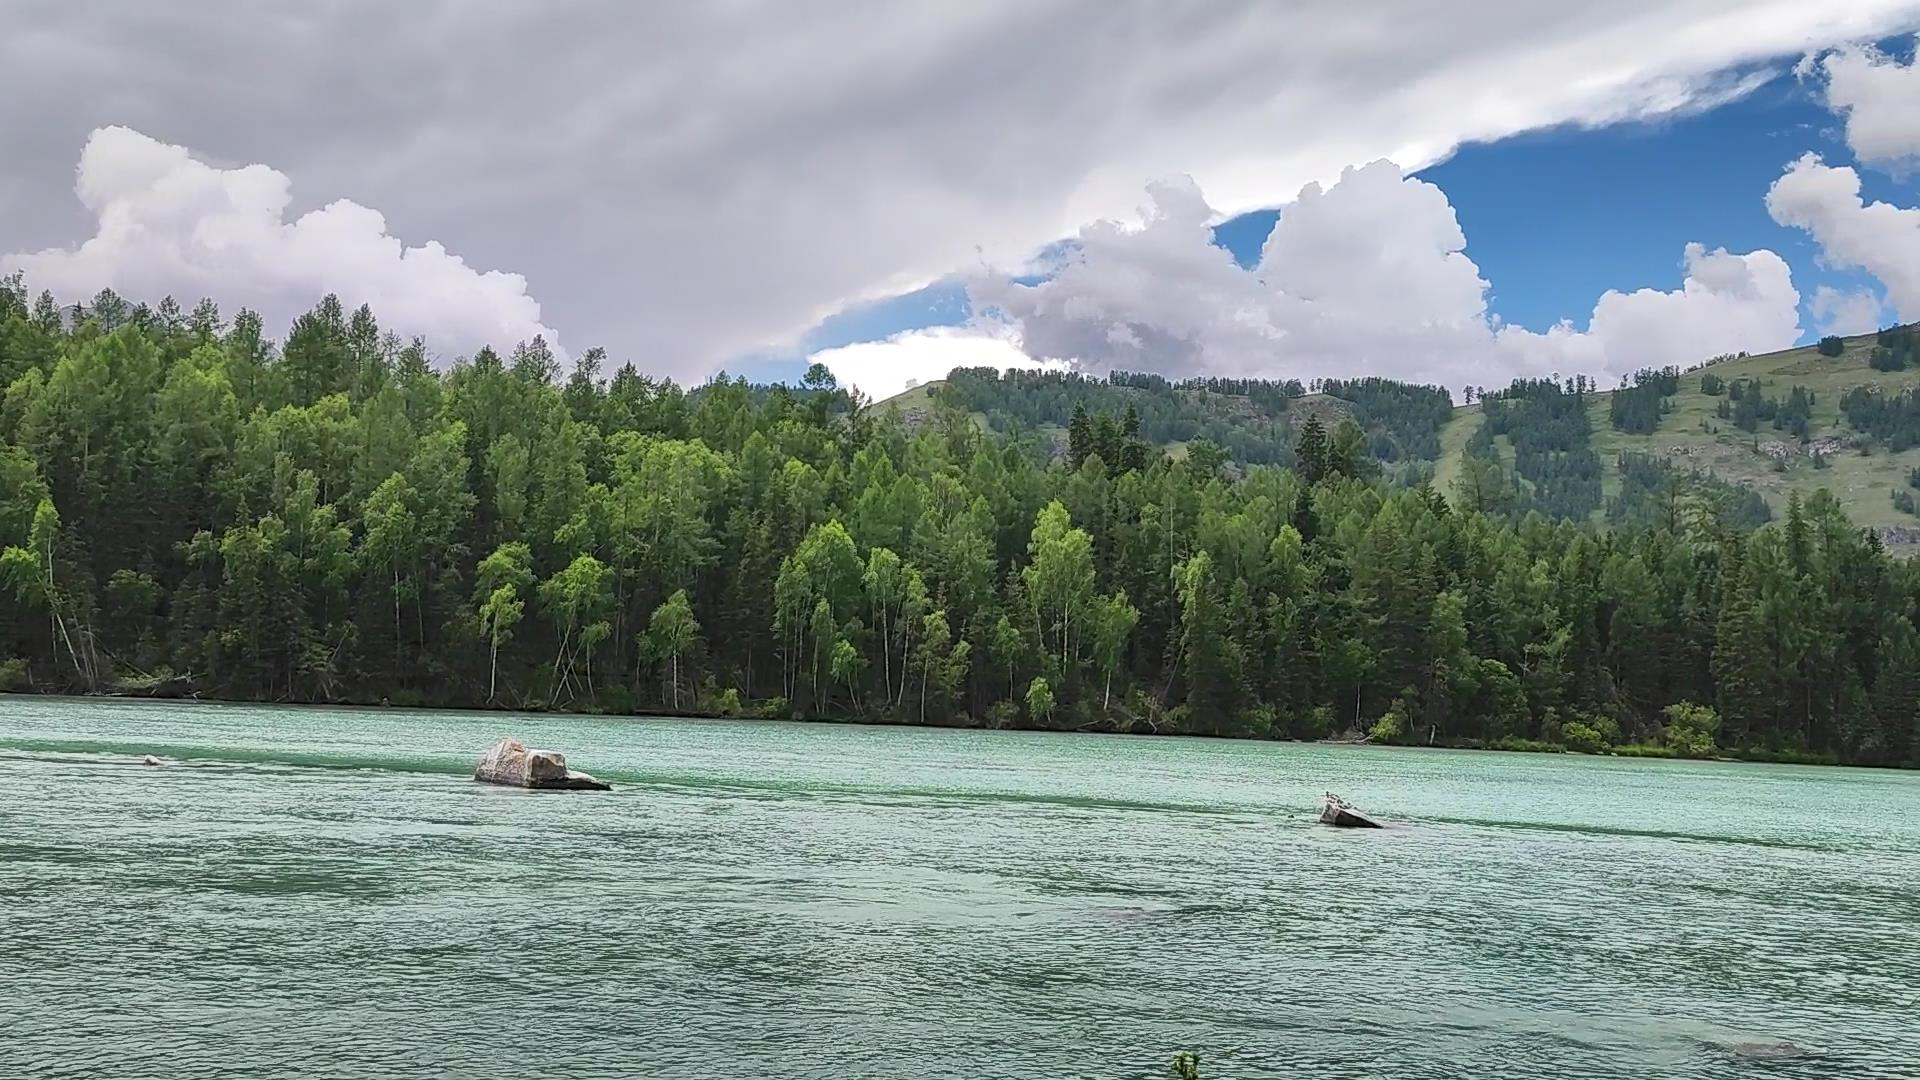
(188, 506)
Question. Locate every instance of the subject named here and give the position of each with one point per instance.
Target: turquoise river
(325, 893)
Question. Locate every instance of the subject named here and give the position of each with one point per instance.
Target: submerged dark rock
(510, 763)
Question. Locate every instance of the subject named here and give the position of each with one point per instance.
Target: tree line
(1636, 408)
(1253, 421)
(1547, 425)
(1747, 405)
(186, 504)
(1896, 348)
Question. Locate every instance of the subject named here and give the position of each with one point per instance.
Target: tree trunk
(397, 666)
(886, 654)
(906, 643)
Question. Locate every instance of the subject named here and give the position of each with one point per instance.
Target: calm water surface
(323, 893)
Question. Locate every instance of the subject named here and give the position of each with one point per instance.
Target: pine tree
(1744, 669)
(1079, 437)
(1896, 697)
(1310, 453)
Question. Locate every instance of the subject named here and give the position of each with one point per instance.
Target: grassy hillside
(1775, 463)
(1691, 434)
(1252, 421)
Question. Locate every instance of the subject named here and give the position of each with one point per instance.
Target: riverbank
(1753, 755)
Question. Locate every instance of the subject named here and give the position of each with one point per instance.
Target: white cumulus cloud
(1880, 238)
(1880, 98)
(1727, 303)
(167, 224)
(1846, 312)
(1367, 277)
(881, 369)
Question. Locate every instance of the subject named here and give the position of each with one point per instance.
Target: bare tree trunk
(396, 620)
(886, 652)
(906, 644)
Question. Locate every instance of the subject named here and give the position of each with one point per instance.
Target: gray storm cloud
(688, 183)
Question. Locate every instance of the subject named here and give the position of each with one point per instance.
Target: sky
(1288, 191)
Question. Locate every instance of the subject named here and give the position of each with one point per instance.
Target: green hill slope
(1692, 434)
(1697, 430)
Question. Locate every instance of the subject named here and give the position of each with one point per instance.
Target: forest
(188, 506)
(1254, 421)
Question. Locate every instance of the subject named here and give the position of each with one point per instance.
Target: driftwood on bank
(170, 687)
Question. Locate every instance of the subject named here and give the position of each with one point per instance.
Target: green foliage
(13, 675)
(1517, 745)
(1249, 421)
(1392, 725)
(1039, 700)
(1644, 750)
(1186, 1065)
(1654, 493)
(1401, 420)
(1748, 406)
(1637, 406)
(1547, 424)
(943, 665)
(1892, 418)
(1582, 739)
(1831, 345)
(670, 635)
(1690, 730)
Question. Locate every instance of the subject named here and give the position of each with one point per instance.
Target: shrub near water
(1582, 739)
(1690, 730)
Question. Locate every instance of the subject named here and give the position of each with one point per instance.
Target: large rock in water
(509, 762)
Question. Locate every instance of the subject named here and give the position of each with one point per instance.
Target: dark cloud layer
(688, 182)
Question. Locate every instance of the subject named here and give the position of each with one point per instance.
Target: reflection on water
(323, 893)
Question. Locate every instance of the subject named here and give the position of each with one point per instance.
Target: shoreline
(1631, 751)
